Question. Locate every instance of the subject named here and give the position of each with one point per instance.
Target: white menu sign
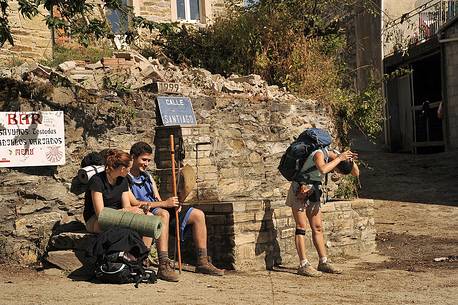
(32, 138)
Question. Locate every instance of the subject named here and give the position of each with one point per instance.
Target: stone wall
(249, 225)
(32, 38)
(156, 10)
(259, 234)
(166, 11)
(451, 85)
(244, 126)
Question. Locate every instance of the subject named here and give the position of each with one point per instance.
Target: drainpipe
(382, 70)
(53, 35)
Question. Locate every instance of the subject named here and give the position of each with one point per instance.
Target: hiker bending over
(145, 191)
(110, 189)
(304, 200)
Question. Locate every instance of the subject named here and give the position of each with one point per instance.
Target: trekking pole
(174, 191)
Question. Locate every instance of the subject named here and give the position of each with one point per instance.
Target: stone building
(419, 58)
(33, 39)
(195, 11)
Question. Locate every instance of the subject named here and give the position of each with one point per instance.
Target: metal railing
(419, 25)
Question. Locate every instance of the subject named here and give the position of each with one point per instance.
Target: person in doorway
(147, 196)
(440, 111)
(305, 200)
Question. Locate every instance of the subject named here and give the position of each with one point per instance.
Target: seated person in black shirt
(111, 189)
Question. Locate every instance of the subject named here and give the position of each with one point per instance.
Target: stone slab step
(72, 241)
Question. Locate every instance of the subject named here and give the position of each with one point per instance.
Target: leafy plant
(117, 83)
(123, 114)
(363, 110)
(298, 44)
(63, 53)
(348, 187)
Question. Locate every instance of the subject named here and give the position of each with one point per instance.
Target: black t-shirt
(112, 194)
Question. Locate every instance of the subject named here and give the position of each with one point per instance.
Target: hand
(346, 155)
(304, 191)
(171, 202)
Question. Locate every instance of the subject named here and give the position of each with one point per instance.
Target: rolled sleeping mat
(145, 225)
(86, 173)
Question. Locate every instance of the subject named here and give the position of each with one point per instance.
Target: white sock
(323, 259)
(304, 262)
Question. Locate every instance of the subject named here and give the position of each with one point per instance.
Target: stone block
(216, 219)
(244, 238)
(248, 227)
(285, 233)
(244, 217)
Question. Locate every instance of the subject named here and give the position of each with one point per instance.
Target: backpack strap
(304, 176)
(325, 188)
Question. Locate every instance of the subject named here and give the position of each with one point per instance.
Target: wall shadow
(267, 239)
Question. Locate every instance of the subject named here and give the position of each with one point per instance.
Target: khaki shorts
(299, 204)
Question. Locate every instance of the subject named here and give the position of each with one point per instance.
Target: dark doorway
(428, 134)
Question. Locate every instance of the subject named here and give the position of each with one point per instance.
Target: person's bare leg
(93, 225)
(199, 228)
(199, 234)
(304, 266)
(316, 224)
(300, 219)
(162, 243)
(165, 272)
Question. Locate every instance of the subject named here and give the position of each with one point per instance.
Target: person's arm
(324, 167)
(97, 202)
(171, 202)
(125, 200)
(355, 170)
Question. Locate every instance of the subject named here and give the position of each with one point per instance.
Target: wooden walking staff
(174, 191)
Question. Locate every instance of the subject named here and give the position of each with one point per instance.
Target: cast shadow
(267, 239)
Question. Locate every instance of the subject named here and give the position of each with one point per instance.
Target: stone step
(76, 263)
(72, 241)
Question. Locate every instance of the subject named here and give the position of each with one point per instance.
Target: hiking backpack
(120, 254)
(294, 158)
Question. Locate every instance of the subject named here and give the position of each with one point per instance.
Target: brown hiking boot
(328, 268)
(166, 272)
(206, 267)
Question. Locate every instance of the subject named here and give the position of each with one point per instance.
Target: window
(188, 10)
(247, 3)
(118, 20)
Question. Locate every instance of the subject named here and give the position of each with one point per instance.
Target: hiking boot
(328, 268)
(166, 272)
(308, 270)
(206, 267)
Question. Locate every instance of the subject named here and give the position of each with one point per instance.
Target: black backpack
(294, 158)
(120, 254)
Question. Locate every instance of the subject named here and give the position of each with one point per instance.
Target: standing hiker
(304, 200)
(145, 191)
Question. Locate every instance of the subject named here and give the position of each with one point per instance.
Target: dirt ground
(416, 201)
